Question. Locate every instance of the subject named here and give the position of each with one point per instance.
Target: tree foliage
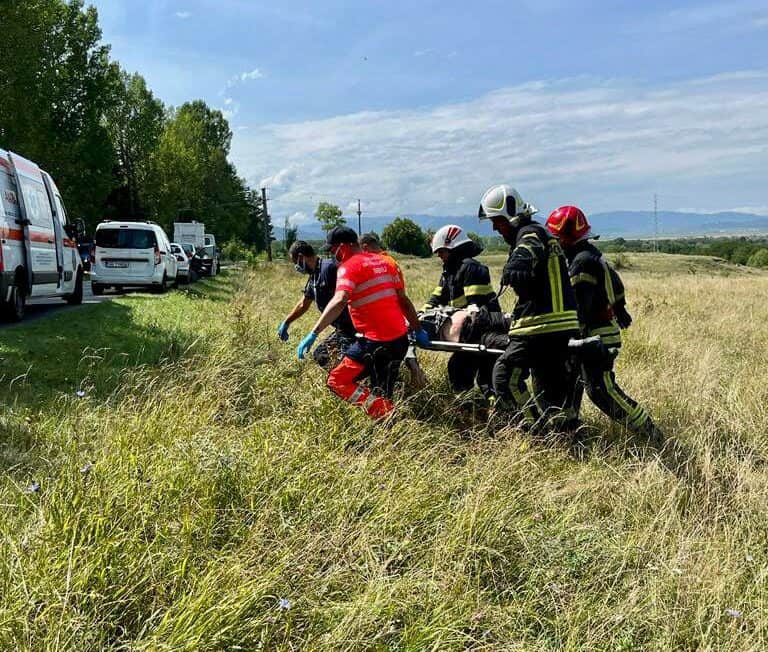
(406, 237)
(329, 215)
(110, 144)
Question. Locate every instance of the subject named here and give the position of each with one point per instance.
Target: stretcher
(585, 346)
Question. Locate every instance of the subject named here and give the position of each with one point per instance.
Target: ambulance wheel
(76, 298)
(13, 309)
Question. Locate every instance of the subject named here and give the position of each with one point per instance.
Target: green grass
(207, 474)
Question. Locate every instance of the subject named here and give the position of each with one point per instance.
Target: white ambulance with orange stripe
(38, 246)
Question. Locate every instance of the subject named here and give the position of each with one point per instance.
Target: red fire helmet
(569, 225)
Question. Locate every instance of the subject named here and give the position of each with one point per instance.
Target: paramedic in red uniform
(372, 289)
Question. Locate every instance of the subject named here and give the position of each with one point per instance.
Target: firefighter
(544, 317)
(602, 312)
(463, 282)
(380, 312)
(320, 287)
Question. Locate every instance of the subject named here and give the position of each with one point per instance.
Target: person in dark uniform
(320, 288)
(464, 282)
(603, 312)
(544, 317)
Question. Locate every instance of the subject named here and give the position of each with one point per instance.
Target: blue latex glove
(306, 344)
(422, 339)
(282, 331)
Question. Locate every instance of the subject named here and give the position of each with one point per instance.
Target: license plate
(112, 263)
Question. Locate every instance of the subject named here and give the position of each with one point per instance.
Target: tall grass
(211, 494)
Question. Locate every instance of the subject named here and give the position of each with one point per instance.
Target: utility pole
(655, 223)
(267, 234)
(359, 221)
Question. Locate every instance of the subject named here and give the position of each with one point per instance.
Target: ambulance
(38, 243)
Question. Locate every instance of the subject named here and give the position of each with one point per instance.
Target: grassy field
(174, 479)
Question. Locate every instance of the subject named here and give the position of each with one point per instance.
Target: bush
(406, 237)
(236, 250)
(759, 258)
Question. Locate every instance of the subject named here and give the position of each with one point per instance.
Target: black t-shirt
(321, 286)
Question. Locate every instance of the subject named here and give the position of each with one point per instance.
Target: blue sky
(417, 107)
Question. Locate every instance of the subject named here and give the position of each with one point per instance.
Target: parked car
(38, 250)
(132, 254)
(183, 268)
(206, 261)
(86, 251)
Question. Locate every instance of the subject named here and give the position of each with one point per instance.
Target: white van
(132, 254)
(38, 245)
(210, 240)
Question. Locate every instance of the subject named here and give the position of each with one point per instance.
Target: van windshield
(125, 238)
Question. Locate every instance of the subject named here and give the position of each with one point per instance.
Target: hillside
(209, 493)
(614, 224)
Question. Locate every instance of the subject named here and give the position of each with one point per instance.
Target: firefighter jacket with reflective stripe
(538, 273)
(469, 283)
(599, 292)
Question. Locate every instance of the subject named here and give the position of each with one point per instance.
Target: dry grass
(226, 477)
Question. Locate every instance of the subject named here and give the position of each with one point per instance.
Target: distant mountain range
(615, 224)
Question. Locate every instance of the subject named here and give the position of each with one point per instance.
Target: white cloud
(183, 15)
(605, 144)
(252, 74)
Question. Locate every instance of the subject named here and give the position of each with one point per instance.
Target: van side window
(36, 203)
(60, 210)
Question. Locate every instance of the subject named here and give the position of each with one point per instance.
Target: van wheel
(13, 309)
(76, 298)
(97, 289)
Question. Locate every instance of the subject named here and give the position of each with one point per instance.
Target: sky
(417, 107)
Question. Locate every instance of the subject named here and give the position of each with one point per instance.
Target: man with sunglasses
(320, 288)
(381, 312)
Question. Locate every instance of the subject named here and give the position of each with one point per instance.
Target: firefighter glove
(623, 318)
(306, 345)
(282, 331)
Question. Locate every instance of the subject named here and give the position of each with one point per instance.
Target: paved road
(39, 308)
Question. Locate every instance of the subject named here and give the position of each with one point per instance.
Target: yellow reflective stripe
(555, 280)
(478, 289)
(608, 285)
(612, 340)
(437, 291)
(528, 247)
(636, 415)
(523, 399)
(530, 235)
(546, 318)
(459, 302)
(613, 329)
(427, 306)
(583, 278)
(543, 329)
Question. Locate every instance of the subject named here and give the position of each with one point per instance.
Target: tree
(290, 234)
(57, 83)
(135, 123)
(759, 258)
(329, 215)
(406, 237)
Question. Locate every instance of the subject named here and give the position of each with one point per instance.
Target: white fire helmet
(449, 237)
(504, 201)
